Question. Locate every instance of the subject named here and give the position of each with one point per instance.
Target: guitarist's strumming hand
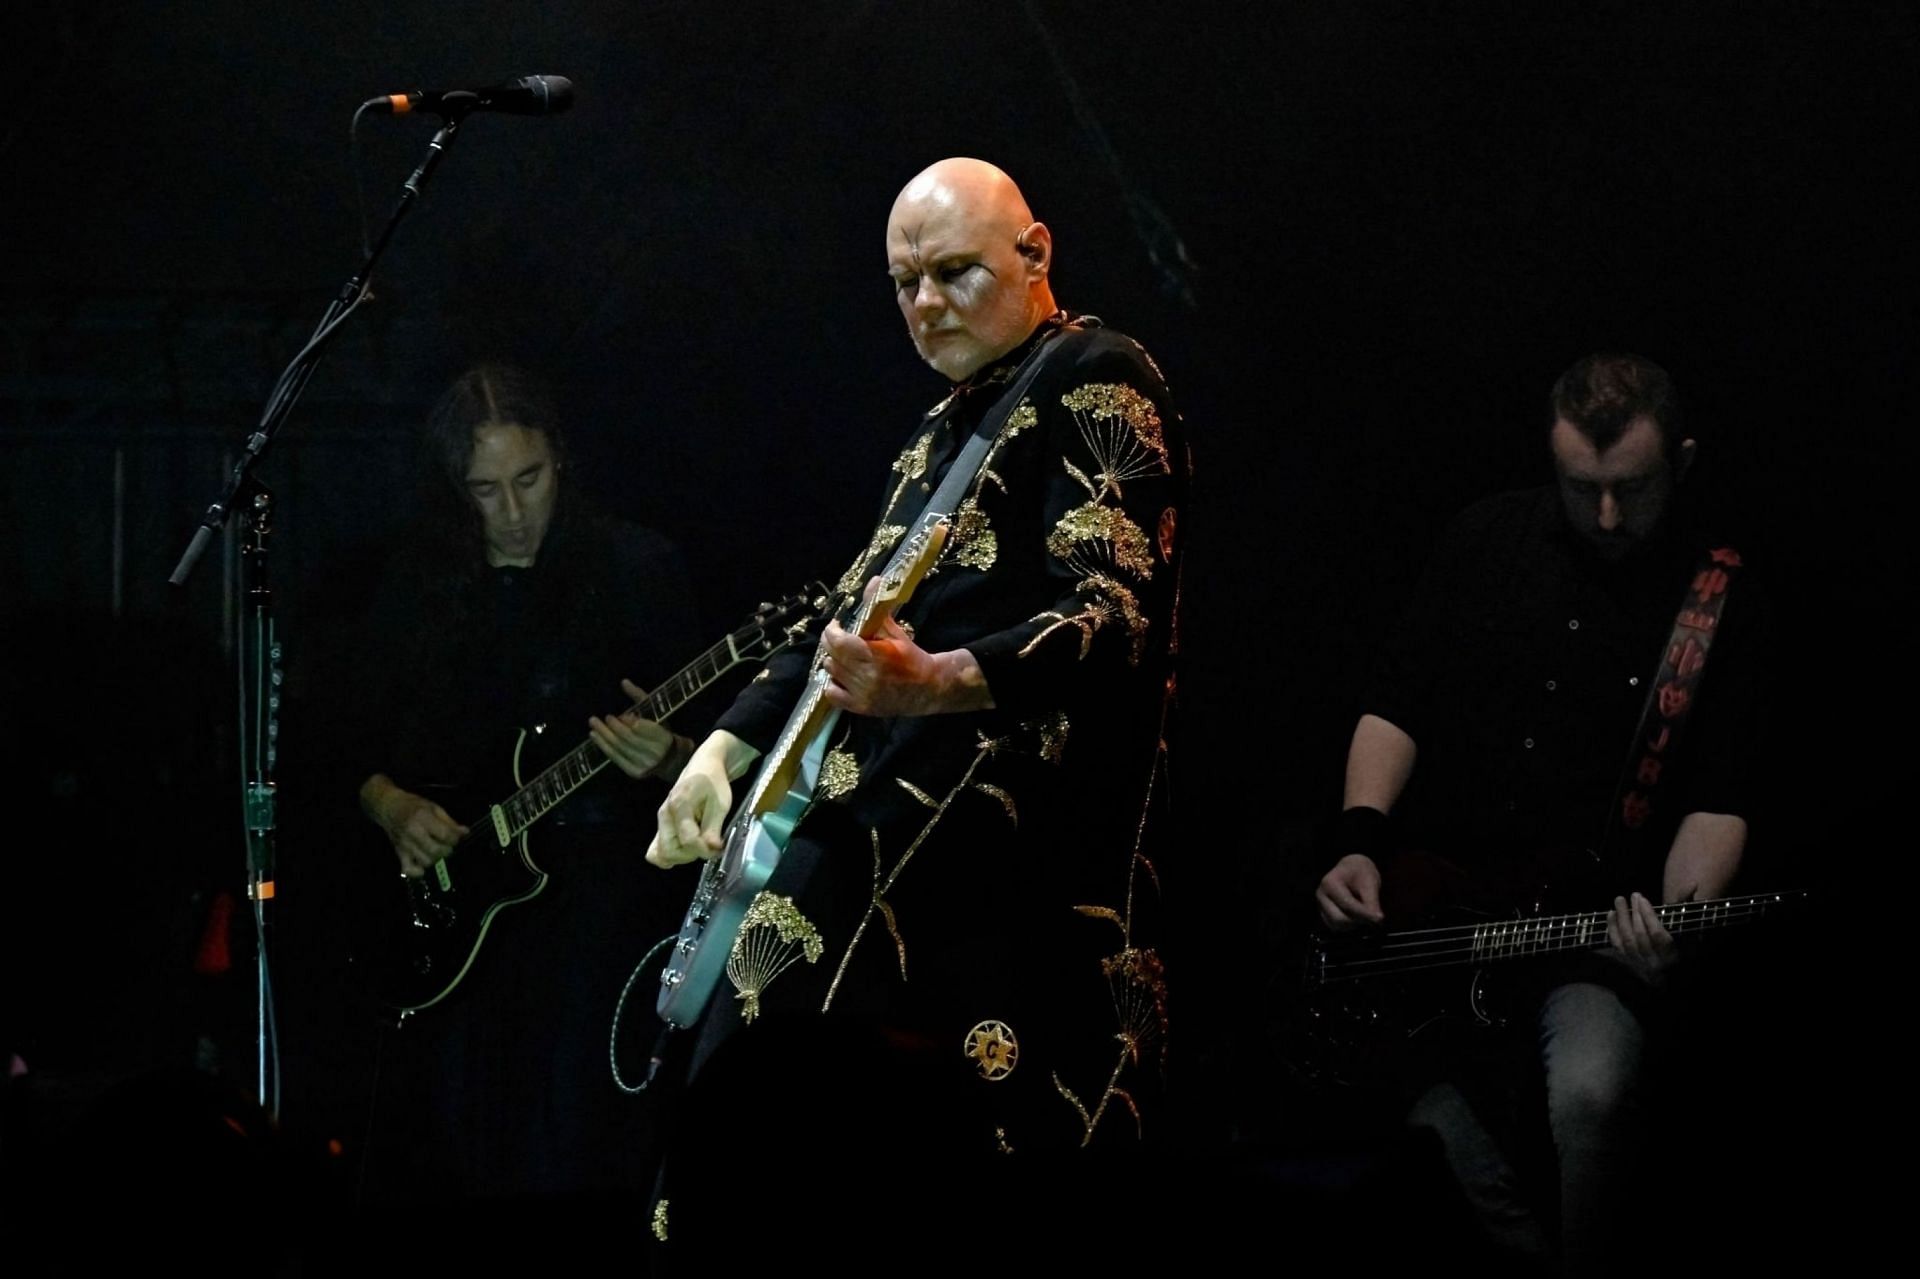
(889, 675)
(639, 747)
(1349, 894)
(420, 830)
(695, 811)
(1639, 940)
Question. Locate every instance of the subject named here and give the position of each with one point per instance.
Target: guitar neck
(1531, 937)
(812, 715)
(578, 766)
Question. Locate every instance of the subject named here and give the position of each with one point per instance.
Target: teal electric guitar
(762, 824)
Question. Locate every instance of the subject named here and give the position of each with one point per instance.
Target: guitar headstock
(779, 623)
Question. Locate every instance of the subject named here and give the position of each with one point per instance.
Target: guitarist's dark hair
(447, 553)
(484, 395)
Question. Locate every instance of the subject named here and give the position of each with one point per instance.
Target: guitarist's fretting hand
(695, 811)
(639, 747)
(1639, 940)
(1349, 894)
(890, 675)
(420, 830)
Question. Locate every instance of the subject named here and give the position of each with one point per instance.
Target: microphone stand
(259, 649)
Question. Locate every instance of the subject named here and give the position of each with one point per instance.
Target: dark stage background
(1361, 239)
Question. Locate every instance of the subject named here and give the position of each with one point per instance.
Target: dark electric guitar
(435, 930)
(1369, 999)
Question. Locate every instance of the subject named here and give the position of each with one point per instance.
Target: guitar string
(688, 682)
(911, 548)
(1563, 928)
(1706, 915)
(588, 755)
(1499, 941)
(1668, 907)
(722, 656)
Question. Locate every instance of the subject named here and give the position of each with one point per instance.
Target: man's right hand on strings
(1349, 894)
(695, 811)
(422, 832)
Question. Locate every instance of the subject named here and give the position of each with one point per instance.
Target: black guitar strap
(967, 465)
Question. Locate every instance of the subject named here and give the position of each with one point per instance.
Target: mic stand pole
(259, 646)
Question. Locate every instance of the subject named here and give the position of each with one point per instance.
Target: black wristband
(1361, 830)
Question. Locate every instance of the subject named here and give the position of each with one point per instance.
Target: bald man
(985, 992)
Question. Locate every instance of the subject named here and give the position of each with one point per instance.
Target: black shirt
(452, 680)
(1520, 668)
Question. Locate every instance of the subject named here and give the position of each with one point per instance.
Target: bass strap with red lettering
(1670, 703)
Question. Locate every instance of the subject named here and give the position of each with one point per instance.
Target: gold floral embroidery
(911, 464)
(1120, 541)
(1122, 429)
(886, 910)
(839, 774)
(854, 580)
(1051, 734)
(1000, 793)
(1110, 599)
(973, 541)
(1023, 417)
(1098, 540)
(773, 936)
(917, 793)
(1137, 982)
(1136, 978)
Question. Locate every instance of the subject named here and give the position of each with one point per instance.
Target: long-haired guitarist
(515, 606)
(953, 978)
(1570, 712)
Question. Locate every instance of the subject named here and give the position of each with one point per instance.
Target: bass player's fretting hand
(695, 811)
(421, 832)
(1639, 940)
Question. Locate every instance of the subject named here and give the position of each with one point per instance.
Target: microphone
(529, 95)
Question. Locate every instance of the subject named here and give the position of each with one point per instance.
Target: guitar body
(728, 885)
(1386, 1031)
(448, 911)
(760, 828)
(1380, 1008)
(426, 937)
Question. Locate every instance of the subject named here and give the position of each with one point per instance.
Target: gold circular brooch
(992, 1047)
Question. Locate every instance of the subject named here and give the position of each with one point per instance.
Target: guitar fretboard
(578, 766)
(1527, 938)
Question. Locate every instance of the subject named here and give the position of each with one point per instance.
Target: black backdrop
(1361, 239)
